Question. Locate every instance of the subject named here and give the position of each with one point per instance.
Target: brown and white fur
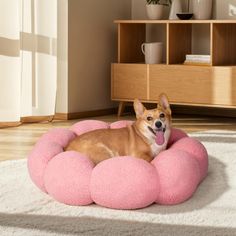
(137, 140)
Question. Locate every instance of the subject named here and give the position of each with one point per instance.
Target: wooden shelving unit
(213, 85)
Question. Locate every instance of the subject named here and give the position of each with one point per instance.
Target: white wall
(87, 44)
(92, 47)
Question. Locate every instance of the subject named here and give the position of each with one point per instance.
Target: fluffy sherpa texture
(60, 136)
(38, 160)
(88, 125)
(179, 176)
(176, 134)
(72, 184)
(124, 183)
(121, 182)
(198, 151)
(47, 147)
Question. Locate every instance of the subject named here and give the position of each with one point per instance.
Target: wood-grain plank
(129, 81)
(194, 84)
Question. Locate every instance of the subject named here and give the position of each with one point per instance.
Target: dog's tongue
(160, 139)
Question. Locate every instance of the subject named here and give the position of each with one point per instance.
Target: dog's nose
(158, 124)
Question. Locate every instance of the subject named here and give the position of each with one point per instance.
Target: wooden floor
(16, 143)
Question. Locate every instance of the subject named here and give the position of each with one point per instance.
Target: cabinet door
(194, 84)
(129, 81)
(181, 83)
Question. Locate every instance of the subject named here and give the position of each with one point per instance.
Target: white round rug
(25, 210)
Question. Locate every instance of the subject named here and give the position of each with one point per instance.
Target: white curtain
(28, 59)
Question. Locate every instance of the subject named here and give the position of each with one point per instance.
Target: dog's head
(155, 123)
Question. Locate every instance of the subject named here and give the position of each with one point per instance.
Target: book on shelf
(193, 59)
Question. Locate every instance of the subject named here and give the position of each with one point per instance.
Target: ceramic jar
(202, 9)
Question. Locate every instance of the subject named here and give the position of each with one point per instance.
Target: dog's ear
(164, 103)
(138, 108)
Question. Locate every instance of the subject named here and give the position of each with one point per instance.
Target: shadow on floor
(58, 225)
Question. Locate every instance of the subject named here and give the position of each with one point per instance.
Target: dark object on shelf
(184, 16)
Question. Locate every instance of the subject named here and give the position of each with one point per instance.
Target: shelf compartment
(129, 81)
(224, 44)
(157, 33)
(180, 42)
(130, 39)
(185, 38)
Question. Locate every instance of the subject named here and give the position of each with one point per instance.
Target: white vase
(202, 9)
(154, 11)
(176, 7)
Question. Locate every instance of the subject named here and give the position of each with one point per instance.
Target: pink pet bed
(121, 182)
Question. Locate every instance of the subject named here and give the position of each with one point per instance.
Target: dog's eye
(149, 118)
(162, 115)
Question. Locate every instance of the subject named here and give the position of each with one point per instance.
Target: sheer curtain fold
(28, 60)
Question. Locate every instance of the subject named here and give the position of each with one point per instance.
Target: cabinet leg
(121, 108)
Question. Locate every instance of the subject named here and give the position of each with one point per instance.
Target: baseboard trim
(85, 114)
(35, 119)
(61, 116)
(9, 124)
(28, 119)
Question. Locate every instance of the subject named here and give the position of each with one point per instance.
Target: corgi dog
(144, 139)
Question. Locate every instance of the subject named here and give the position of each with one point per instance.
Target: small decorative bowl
(184, 16)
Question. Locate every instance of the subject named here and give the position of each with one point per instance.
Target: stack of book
(192, 59)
